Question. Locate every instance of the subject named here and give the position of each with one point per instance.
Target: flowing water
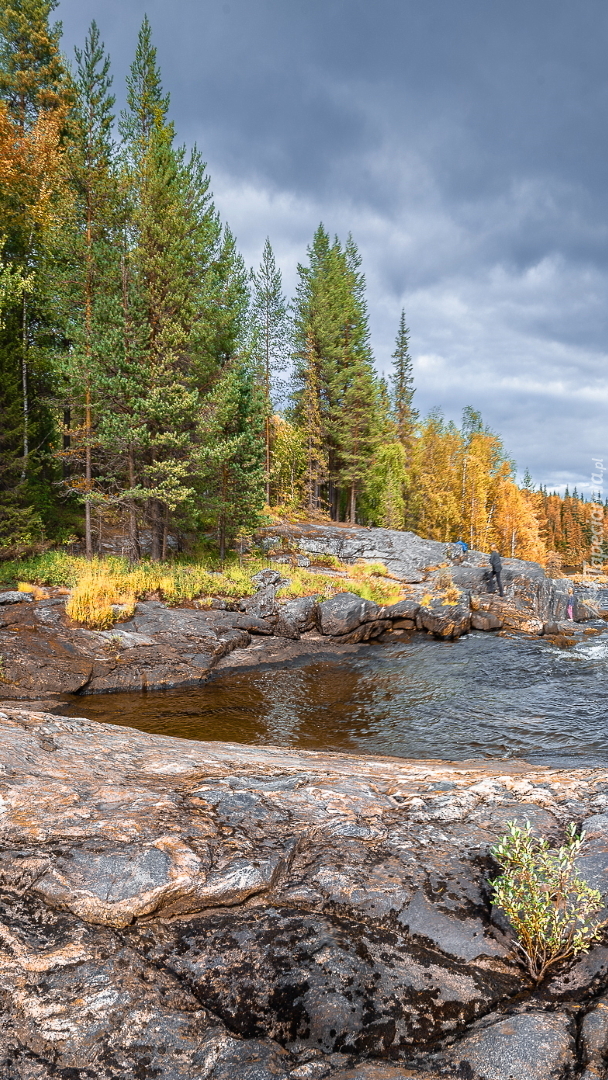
(481, 696)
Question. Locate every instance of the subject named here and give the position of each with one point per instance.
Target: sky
(462, 142)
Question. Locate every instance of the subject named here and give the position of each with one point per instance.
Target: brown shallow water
(482, 696)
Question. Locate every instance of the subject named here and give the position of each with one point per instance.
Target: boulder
(513, 614)
(445, 620)
(269, 577)
(594, 1037)
(364, 632)
(485, 620)
(344, 612)
(15, 597)
(528, 1046)
(405, 609)
(263, 604)
(295, 617)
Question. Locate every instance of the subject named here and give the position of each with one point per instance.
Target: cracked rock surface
(177, 909)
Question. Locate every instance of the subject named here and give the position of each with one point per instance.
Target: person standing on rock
(571, 604)
(496, 564)
(461, 550)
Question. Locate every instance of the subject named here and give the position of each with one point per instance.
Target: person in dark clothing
(496, 564)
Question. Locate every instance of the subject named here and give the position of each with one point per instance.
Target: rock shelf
(206, 911)
(45, 655)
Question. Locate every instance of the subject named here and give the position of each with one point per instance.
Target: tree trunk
(353, 505)
(88, 540)
(133, 530)
(267, 459)
(165, 530)
(155, 518)
(26, 409)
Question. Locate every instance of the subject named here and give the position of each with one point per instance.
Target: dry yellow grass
(93, 599)
(36, 592)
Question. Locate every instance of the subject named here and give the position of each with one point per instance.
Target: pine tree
(269, 329)
(402, 381)
(86, 260)
(158, 406)
(32, 73)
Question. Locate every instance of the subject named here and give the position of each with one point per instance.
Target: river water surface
(481, 696)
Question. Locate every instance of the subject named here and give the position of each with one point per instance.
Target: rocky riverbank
(44, 655)
(205, 911)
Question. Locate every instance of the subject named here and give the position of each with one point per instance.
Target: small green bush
(550, 908)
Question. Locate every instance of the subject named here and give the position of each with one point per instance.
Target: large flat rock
(187, 910)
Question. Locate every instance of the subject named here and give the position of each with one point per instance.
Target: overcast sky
(464, 144)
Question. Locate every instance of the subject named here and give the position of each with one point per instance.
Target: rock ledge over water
(207, 911)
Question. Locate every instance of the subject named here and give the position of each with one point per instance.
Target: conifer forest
(152, 384)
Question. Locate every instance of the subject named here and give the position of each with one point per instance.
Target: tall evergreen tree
(331, 322)
(155, 389)
(356, 423)
(269, 337)
(402, 382)
(86, 265)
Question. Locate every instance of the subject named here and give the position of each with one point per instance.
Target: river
(482, 696)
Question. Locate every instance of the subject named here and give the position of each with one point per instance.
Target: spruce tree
(231, 458)
(269, 337)
(356, 420)
(331, 324)
(402, 382)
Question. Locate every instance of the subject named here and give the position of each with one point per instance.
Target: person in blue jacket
(463, 549)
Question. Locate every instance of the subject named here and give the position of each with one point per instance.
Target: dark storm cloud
(463, 144)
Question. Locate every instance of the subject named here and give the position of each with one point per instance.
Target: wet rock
(344, 613)
(508, 612)
(365, 632)
(485, 620)
(295, 617)
(405, 609)
(528, 1046)
(594, 1038)
(77, 1003)
(314, 980)
(15, 597)
(445, 620)
(206, 910)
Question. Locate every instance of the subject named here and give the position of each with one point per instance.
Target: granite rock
(445, 620)
(202, 910)
(344, 613)
(295, 617)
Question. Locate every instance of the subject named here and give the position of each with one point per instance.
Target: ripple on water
(482, 696)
